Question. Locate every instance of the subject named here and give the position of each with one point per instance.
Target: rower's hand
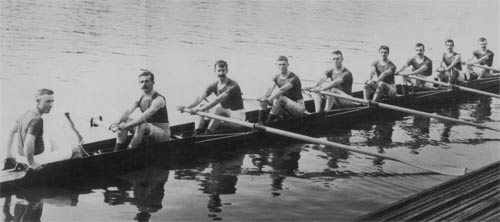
(193, 111)
(262, 99)
(317, 89)
(113, 127)
(181, 108)
(440, 69)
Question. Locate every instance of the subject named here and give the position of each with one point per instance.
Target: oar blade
(438, 168)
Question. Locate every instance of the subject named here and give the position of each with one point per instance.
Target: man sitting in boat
(421, 66)
(481, 56)
(30, 145)
(451, 66)
(288, 98)
(152, 122)
(337, 80)
(228, 94)
(381, 81)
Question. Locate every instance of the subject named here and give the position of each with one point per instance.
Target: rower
(481, 56)
(450, 66)
(30, 145)
(421, 66)
(153, 121)
(336, 80)
(288, 98)
(229, 101)
(381, 82)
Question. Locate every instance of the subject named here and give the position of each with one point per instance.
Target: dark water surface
(90, 52)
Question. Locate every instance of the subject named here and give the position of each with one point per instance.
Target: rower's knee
(280, 102)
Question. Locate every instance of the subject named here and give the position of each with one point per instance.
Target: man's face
(282, 66)
(337, 59)
(420, 50)
(449, 46)
(483, 44)
(221, 72)
(45, 103)
(384, 53)
(146, 83)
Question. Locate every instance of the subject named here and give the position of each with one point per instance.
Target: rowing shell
(102, 159)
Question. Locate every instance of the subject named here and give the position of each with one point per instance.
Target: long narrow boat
(101, 160)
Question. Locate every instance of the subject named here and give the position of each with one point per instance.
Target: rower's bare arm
(420, 70)
(336, 82)
(10, 140)
(455, 61)
(124, 117)
(156, 105)
(270, 90)
(280, 91)
(320, 81)
(384, 74)
(482, 59)
(213, 103)
(373, 72)
(197, 100)
(29, 151)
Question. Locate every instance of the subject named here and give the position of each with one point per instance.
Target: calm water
(90, 53)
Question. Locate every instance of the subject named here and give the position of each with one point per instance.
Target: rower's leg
(138, 135)
(121, 139)
(212, 126)
(381, 88)
(199, 123)
(330, 100)
(278, 104)
(454, 76)
(317, 102)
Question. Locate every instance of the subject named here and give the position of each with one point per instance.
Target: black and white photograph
(249, 110)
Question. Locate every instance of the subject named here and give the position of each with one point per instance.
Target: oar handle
(450, 171)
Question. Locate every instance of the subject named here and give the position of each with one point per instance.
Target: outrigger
(100, 158)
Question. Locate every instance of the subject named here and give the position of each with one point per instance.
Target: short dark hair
(383, 47)
(482, 39)
(43, 91)
(282, 58)
(220, 63)
(337, 52)
(449, 40)
(148, 73)
(420, 45)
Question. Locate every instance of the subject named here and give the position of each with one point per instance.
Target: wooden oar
(406, 110)
(484, 67)
(463, 88)
(78, 134)
(448, 170)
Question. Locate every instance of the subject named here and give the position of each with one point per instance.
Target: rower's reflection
(483, 110)
(221, 181)
(450, 110)
(342, 136)
(282, 162)
(28, 204)
(382, 138)
(418, 131)
(148, 191)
